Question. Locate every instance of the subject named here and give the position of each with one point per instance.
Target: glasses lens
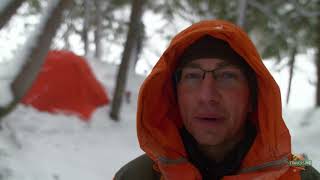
(228, 77)
(191, 76)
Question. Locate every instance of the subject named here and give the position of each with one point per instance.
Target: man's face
(213, 106)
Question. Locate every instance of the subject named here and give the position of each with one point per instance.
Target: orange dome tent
(66, 84)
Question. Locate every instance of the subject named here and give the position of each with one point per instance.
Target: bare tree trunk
(98, 31)
(318, 78)
(35, 56)
(136, 50)
(242, 13)
(317, 59)
(291, 66)
(135, 18)
(66, 35)
(8, 11)
(140, 40)
(133, 60)
(86, 23)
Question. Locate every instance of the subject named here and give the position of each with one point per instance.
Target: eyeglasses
(224, 77)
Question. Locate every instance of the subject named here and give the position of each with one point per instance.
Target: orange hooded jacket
(158, 119)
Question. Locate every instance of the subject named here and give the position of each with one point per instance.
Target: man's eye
(226, 76)
(192, 76)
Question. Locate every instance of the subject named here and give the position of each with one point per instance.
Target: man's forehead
(210, 63)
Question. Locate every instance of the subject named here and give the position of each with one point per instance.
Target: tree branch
(304, 12)
(266, 10)
(34, 56)
(9, 10)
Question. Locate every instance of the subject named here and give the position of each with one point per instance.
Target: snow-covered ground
(304, 129)
(41, 146)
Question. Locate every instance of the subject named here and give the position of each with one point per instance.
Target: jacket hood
(158, 119)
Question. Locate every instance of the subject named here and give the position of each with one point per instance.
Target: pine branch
(304, 12)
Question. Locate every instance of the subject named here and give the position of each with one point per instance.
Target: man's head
(216, 90)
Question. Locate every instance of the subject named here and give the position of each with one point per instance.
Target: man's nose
(208, 90)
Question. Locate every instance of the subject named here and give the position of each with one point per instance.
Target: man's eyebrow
(193, 65)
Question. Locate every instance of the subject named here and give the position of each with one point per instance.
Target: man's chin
(208, 141)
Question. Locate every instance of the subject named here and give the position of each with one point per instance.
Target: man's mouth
(210, 119)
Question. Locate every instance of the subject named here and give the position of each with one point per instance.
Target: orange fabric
(158, 119)
(66, 84)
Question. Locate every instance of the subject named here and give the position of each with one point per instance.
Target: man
(211, 110)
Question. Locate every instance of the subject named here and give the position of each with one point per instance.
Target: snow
(41, 146)
(304, 129)
(64, 147)
(6, 69)
(21, 54)
(12, 37)
(303, 83)
(13, 34)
